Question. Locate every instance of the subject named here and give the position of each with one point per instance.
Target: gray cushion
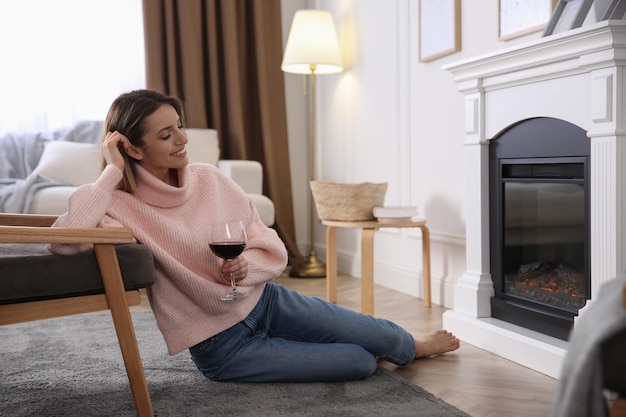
(29, 272)
(614, 363)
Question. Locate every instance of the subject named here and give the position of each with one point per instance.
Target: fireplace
(539, 224)
(576, 78)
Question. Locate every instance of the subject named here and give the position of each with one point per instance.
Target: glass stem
(232, 283)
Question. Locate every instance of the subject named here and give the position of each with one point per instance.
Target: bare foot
(435, 343)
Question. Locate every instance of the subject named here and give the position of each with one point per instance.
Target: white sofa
(72, 164)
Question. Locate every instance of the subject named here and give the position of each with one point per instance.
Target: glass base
(234, 295)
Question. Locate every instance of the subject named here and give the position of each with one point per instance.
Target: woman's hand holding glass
(227, 241)
(236, 268)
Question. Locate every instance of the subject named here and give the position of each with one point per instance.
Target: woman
(272, 334)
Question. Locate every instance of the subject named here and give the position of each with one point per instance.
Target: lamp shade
(312, 41)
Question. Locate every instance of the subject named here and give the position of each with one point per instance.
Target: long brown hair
(127, 115)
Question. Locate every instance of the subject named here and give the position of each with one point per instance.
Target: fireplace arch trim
(540, 137)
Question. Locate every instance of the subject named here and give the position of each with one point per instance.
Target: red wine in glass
(227, 250)
(228, 240)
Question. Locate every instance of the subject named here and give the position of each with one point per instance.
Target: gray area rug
(72, 366)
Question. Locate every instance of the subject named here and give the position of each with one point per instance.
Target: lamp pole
(311, 267)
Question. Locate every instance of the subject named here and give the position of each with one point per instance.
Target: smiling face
(164, 143)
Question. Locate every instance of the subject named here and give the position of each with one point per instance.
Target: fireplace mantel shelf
(581, 50)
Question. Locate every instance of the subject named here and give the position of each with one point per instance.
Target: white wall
(297, 130)
(388, 117)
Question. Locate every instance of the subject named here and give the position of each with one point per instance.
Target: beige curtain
(222, 59)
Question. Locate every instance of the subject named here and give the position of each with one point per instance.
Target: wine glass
(228, 240)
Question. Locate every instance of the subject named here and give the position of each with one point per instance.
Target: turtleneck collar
(157, 193)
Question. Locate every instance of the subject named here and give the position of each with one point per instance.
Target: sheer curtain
(66, 60)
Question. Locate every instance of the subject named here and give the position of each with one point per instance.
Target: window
(66, 60)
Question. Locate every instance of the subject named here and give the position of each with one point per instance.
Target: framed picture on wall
(518, 18)
(439, 28)
(570, 14)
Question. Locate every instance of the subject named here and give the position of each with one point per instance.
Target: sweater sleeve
(87, 208)
(265, 252)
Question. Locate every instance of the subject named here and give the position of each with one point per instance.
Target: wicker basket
(347, 202)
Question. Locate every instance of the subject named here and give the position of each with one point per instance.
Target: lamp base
(311, 268)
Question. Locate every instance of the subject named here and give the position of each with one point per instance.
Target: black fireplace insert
(539, 224)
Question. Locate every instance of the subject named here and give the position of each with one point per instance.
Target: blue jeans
(289, 337)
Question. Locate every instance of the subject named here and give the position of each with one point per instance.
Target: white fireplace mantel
(577, 76)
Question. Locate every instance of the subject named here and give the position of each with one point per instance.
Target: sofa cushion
(51, 200)
(203, 146)
(70, 163)
(29, 272)
(265, 207)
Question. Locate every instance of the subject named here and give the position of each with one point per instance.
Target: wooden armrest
(34, 228)
(11, 219)
(99, 235)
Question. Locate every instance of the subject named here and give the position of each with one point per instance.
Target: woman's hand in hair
(112, 147)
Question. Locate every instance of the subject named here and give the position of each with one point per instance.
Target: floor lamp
(312, 48)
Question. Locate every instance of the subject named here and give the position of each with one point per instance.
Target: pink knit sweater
(174, 222)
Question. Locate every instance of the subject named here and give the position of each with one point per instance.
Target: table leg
(367, 271)
(426, 264)
(331, 264)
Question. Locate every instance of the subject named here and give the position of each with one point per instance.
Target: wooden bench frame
(26, 228)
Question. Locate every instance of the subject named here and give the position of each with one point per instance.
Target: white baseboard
(526, 347)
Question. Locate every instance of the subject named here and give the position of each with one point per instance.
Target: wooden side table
(367, 257)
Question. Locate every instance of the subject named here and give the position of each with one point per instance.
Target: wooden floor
(475, 381)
